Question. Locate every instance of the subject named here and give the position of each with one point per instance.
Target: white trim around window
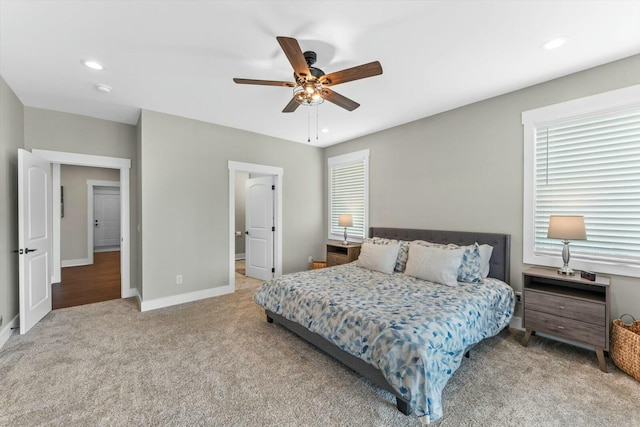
(570, 113)
(351, 173)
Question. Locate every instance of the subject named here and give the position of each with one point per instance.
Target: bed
(405, 334)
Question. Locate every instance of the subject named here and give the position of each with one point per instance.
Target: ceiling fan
(311, 86)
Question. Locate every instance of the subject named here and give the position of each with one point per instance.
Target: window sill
(628, 270)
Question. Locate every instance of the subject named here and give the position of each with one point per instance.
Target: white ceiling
(179, 57)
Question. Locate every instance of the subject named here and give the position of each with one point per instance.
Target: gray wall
(241, 180)
(73, 226)
(53, 130)
(11, 138)
(185, 193)
(463, 169)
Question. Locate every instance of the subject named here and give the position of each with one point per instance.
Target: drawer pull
(560, 327)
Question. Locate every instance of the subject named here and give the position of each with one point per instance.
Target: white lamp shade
(566, 227)
(345, 220)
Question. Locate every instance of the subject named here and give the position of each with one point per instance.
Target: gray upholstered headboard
(500, 264)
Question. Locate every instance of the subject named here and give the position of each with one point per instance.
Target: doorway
(254, 216)
(39, 214)
(58, 158)
(103, 216)
(238, 174)
(89, 237)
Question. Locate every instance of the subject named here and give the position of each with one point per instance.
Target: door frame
(91, 184)
(58, 158)
(277, 173)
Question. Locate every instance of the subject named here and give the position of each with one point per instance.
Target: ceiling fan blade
(339, 100)
(360, 72)
(263, 82)
(294, 54)
(291, 106)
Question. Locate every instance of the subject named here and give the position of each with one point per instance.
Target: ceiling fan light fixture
(304, 96)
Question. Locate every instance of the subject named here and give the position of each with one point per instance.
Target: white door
(259, 194)
(106, 217)
(34, 238)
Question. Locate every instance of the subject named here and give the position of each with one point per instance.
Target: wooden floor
(89, 283)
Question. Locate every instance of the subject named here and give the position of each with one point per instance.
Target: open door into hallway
(271, 219)
(34, 238)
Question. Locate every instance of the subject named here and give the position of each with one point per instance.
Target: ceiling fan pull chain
(317, 121)
(309, 126)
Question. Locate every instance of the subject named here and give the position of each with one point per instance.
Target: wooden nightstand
(567, 307)
(337, 253)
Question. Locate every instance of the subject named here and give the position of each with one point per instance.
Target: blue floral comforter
(416, 332)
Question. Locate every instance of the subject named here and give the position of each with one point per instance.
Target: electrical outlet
(518, 297)
(179, 279)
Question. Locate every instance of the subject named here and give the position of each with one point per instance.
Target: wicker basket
(318, 264)
(625, 346)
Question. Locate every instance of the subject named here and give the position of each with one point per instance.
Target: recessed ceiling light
(324, 130)
(94, 65)
(554, 43)
(103, 88)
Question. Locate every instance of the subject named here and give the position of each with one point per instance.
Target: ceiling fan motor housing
(311, 57)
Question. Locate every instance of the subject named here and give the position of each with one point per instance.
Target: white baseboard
(106, 249)
(184, 298)
(240, 256)
(129, 293)
(139, 301)
(6, 332)
(516, 323)
(74, 262)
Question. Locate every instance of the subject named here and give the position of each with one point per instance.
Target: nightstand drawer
(562, 306)
(336, 259)
(563, 327)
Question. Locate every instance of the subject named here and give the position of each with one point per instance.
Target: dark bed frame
(499, 269)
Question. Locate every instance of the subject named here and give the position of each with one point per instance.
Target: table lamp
(345, 220)
(566, 228)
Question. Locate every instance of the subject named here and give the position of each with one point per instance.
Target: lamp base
(566, 271)
(345, 243)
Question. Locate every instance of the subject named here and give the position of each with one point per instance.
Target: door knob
(246, 232)
(27, 250)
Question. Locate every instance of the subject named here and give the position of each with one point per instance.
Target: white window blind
(590, 166)
(348, 194)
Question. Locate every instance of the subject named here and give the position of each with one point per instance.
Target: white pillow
(434, 264)
(484, 250)
(378, 257)
(485, 257)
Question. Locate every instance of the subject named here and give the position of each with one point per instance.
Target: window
(349, 194)
(582, 157)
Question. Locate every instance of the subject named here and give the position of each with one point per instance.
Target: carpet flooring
(217, 362)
